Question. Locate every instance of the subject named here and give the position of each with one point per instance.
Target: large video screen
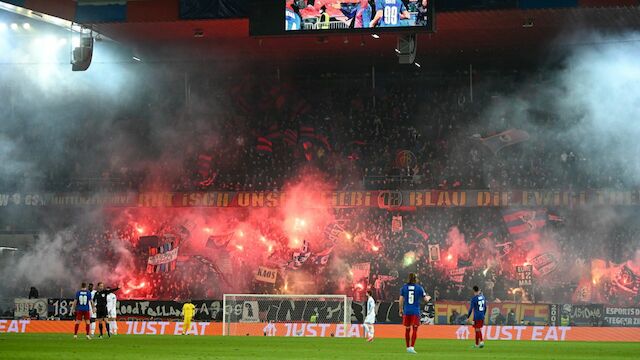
(347, 15)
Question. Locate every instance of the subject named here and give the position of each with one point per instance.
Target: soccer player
(389, 13)
(292, 19)
(371, 317)
(93, 309)
(428, 312)
(409, 308)
(188, 310)
(101, 307)
(479, 308)
(82, 307)
(112, 302)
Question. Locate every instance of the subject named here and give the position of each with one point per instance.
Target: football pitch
(50, 346)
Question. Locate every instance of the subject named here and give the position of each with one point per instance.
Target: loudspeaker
(407, 46)
(82, 55)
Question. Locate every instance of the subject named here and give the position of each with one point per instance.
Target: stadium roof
(157, 35)
(472, 31)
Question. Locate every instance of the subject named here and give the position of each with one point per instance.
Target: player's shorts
(111, 313)
(370, 320)
(411, 320)
(478, 324)
(83, 315)
(101, 313)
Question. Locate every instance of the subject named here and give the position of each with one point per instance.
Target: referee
(101, 307)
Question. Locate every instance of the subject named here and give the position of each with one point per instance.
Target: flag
(434, 253)
(545, 263)
(405, 159)
(504, 248)
(396, 224)
(333, 231)
(555, 218)
(290, 137)
(219, 241)
(524, 225)
(212, 267)
(499, 141)
(264, 145)
(299, 258)
(307, 133)
(422, 234)
(163, 255)
(361, 271)
(464, 263)
(322, 258)
(267, 275)
(627, 280)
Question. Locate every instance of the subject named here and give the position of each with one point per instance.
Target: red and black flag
(264, 145)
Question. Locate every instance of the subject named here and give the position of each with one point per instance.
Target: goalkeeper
(188, 310)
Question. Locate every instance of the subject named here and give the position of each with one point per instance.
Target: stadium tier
(431, 178)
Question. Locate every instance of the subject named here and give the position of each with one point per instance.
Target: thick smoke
(586, 108)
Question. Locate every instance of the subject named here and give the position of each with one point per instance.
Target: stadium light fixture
(375, 36)
(397, 51)
(14, 27)
(418, 65)
(26, 26)
(135, 58)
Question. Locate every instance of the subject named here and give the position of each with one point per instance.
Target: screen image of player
(347, 15)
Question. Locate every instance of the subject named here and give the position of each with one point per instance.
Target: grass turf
(50, 346)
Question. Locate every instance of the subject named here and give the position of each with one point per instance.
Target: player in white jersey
(370, 319)
(112, 301)
(93, 310)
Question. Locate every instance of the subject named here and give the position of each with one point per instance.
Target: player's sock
(480, 335)
(407, 337)
(75, 330)
(93, 328)
(87, 328)
(114, 327)
(477, 337)
(108, 330)
(371, 331)
(414, 336)
(100, 327)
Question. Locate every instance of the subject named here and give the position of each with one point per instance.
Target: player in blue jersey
(389, 13)
(82, 307)
(410, 296)
(291, 18)
(479, 308)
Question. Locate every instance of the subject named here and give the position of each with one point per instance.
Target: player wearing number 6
(409, 307)
(82, 307)
(479, 308)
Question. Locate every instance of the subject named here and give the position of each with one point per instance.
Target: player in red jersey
(82, 307)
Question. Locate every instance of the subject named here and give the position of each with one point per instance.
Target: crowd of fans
(409, 131)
